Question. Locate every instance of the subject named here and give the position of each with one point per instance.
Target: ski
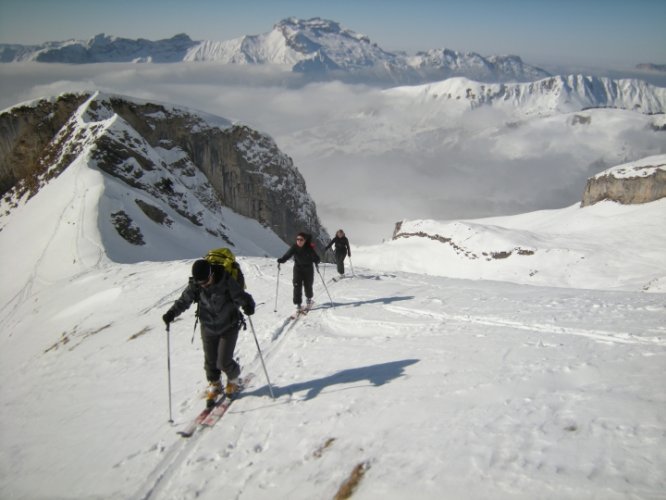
(188, 430)
(215, 411)
(219, 410)
(301, 312)
(306, 309)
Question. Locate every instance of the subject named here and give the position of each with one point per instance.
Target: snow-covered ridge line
(557, 94)
(207, 119)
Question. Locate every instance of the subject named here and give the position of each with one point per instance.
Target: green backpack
(226, 258)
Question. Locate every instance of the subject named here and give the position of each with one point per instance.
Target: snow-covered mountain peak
(447, 63)
(316, 29)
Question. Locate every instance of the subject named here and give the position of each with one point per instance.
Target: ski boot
(213, 391)
(233, 387)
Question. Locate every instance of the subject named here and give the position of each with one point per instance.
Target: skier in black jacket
(219, 296)
(342, 249)
(304, 256)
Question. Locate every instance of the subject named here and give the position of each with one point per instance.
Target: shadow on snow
(376, 375)
(381, 300)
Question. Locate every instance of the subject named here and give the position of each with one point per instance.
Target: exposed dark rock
(154, 213)
(126, 228)
(627, 185)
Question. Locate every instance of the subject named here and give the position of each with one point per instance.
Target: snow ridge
(557, 94)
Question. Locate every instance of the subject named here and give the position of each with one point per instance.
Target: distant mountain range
(556, 94)
(316, 47)
(652, 67)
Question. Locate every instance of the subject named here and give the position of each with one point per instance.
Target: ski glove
(248, 309)
(168, 317)
(281, 261)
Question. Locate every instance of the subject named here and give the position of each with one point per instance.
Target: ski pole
(169, 370)
(256, 341)
(352, 266)
(277, 288)
(194, 330)
(325, 287)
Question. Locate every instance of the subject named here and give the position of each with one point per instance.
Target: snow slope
(434, 387)
(603, 246)
(442, 388)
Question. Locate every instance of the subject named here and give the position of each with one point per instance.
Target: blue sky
(590, 32)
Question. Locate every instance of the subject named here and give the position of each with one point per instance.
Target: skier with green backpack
(217, 286)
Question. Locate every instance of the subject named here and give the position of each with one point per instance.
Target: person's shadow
(375, 374)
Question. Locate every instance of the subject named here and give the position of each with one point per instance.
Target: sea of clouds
(368, 158)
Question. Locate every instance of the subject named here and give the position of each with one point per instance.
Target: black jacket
(341, 245)
(218, 304)
(303, 256)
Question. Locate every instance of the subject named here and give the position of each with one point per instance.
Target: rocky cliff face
(631, 183)
(182, 159)
(26, 140)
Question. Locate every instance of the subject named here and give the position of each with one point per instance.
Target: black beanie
(201, 270)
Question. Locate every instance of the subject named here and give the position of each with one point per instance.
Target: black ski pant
(219, 354)
(340, 260)
(303, 278)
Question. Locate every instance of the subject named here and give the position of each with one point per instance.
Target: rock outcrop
(641, 181)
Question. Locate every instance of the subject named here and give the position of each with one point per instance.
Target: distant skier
(342, 250)
(219, 296)
(305, 256)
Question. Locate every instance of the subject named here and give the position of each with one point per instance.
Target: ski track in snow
(600, 335)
